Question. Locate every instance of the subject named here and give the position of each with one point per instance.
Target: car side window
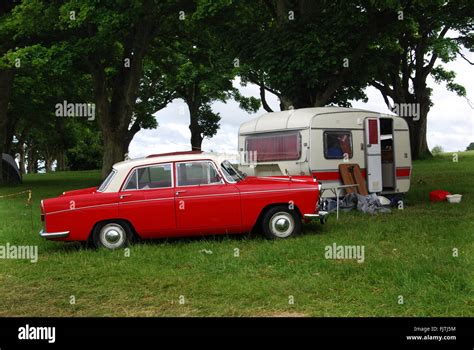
(156, 176)
(132, 181)
(197, 173)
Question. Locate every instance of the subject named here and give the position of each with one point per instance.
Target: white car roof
(122, 168)
(179, 156)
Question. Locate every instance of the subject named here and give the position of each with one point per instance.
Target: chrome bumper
(320, 215)
(47, 235)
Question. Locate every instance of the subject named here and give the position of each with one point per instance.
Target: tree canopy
(129, 59)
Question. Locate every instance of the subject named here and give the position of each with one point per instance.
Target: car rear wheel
(112, 235)
(281, 222)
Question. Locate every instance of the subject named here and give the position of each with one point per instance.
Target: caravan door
(373, 155)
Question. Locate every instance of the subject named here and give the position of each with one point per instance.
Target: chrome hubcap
(282, 224)
(112, 236)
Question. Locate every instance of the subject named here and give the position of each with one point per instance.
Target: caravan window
(285, 145)
(337, 143)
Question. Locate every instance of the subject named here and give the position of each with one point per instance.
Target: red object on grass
(438, 195)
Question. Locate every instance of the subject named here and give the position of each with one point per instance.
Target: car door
(204, 202)
(147, 200)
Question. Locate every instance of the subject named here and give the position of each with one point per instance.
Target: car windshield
(107, 180)
(231, 173)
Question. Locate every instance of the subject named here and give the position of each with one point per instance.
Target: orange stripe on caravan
(333, 175)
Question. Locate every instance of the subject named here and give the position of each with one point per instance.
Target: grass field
(408, 253)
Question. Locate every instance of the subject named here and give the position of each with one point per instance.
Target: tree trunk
(60, 161)
(6, 82)
(116, 98)
(114, 151)
(21, 148)
(9, 135)
(196, 134)
(111, 125)
(32, 163)
(29, 158)
(32, 166)
(48, 165)
(419, 145)
(401, 95)
(196, 139)
(285, 103)
(21, 151)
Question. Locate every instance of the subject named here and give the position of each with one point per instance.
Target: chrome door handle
(178, 192)
(122, 196)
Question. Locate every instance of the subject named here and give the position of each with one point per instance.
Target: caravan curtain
(275, 146)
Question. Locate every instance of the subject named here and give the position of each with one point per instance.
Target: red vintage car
(180, 194)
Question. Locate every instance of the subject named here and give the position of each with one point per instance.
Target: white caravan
(316, 140)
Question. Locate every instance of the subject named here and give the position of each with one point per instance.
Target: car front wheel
(281, 222)
(111, 235)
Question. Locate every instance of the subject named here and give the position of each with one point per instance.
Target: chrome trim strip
(210, 195)
(283, 179)
(47, 235)
(87, 207)
(146, 200)
(320, 215)
(292, 189)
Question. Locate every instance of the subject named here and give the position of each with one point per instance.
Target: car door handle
(122, 196)
(178, 192)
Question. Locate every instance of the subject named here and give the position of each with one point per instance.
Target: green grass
(408, 252)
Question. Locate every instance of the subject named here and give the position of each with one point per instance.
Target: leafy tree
(421, 40)
(39, 85)
(110, 42)
(199, 72)
(86, 152)
(315, 53)
(6, 77)
(308, 53)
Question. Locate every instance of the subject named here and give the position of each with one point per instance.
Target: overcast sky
(450, 121)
